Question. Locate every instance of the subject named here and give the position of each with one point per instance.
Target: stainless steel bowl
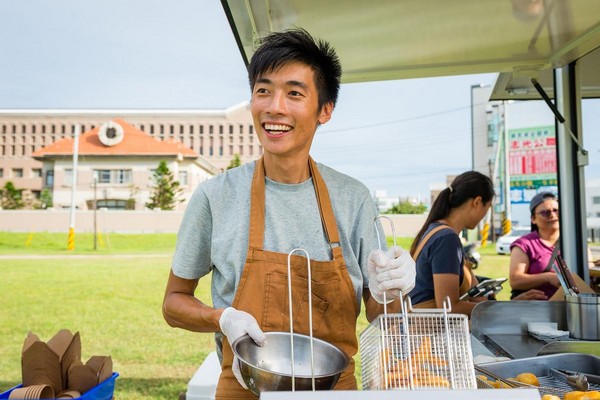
(268, 368)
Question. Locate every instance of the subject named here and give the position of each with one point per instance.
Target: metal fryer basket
(420, 349)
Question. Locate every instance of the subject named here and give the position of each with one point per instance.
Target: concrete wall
(141, 221)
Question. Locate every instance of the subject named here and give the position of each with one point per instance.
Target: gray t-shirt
(214, 232)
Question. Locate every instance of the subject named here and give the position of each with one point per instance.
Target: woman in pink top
(530, 255)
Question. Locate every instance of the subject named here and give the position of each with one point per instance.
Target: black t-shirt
(442, 254)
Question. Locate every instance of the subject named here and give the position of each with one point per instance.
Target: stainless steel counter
(501, 327)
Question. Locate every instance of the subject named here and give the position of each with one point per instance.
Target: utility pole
(95, 212)
(491, 172)
(506, 224)
(71, 238)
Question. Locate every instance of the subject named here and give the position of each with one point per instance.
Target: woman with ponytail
(437, 248)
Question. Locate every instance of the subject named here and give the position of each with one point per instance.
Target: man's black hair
(297, 45)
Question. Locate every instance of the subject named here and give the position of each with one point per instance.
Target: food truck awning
(391, 39)
(552, 41)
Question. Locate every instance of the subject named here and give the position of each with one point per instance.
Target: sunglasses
(548, 213)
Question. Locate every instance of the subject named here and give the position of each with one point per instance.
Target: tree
(11, 197)
(46, 198)
(406, 207)
(236, 162)
(167, 192)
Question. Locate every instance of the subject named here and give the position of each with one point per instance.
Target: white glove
(235, 324)
(390, 272)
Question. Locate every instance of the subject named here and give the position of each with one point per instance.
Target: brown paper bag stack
(83, 377)
(58, 364)
(48, 363)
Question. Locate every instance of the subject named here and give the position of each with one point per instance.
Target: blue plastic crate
(103, 391)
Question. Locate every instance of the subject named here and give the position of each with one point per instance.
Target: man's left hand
(391, 272)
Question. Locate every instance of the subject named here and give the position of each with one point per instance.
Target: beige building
(115, 168)
(215, 135)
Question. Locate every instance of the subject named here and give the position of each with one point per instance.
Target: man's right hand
(235, 324)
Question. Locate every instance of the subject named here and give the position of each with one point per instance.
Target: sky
(399, 136)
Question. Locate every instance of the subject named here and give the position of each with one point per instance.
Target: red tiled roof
(135, 142)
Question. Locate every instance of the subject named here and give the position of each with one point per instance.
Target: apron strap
(257, 207)
(325, 208)
(426, 239)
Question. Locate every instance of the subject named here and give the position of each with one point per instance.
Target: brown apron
(263, 292)
(464, 286)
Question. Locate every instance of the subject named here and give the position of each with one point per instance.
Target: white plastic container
(203, 384)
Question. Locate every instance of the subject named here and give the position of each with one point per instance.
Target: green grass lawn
(114, 302)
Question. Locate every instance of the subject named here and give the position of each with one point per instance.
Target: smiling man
(241, 225)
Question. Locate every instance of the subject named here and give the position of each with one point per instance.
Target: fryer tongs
(310, 323)
(576, 380)
(565, 277)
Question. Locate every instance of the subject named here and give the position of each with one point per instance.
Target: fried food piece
(550, 397)
(426, 379)
(424, 353)
(578, 395)
(591, 395)
(499, 385)
(529, 378)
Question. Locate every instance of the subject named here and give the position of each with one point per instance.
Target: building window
(191, 129)
(596, 200)
(230, 150)
(220, 150)
(171, 129)
(152, 129)
(241, 129)
(142, 128)
(112, 204)
(231, 129)
(220, 129)
(49, 178)
(210, 129)
(36, 172)
(43, 128)
(251, 129)
(201, 129)
(1, 173)
(162, 129)
(241, 150)
(113, 176)
(32, 128)
(181, 129)
(183, 178)
(17, 172)
(210, 151)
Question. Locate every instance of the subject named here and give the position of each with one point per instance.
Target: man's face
(285, 110)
